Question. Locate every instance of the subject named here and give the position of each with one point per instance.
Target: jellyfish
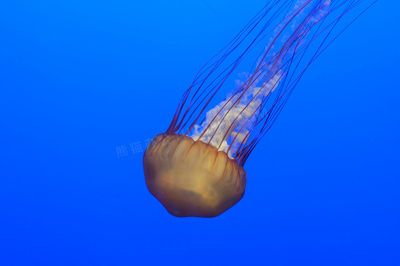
(196, 167)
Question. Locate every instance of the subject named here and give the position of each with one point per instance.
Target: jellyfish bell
(192, 178)
(196, 167)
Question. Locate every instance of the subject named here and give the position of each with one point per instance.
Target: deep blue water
(85, 84)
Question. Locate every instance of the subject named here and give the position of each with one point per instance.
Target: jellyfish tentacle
(259, 72)
(256, 72)
(239, 122)
(231, 47)
(235, 64)
(281, 101)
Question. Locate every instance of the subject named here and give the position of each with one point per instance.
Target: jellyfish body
(192, 178)
(195, 168)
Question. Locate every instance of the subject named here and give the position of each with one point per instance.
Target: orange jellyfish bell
(192, 178)
(196, 167)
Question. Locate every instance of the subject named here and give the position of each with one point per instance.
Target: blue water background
(85, 84)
